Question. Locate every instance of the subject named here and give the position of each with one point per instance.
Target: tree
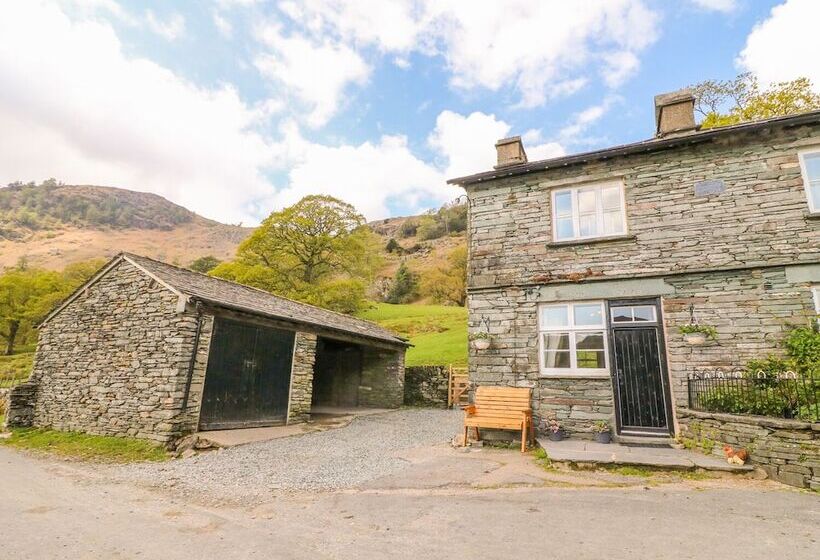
(405, 286)
(727, 102)
(204, 264)
(393, 246)
(26, 295)
(448, 284)
(318, 251)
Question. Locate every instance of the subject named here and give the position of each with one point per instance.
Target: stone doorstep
(578, 451)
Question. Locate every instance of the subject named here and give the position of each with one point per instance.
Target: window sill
(813, 216)
(591, 240)
(574, 375)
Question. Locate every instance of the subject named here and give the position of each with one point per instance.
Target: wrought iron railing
(783, 395)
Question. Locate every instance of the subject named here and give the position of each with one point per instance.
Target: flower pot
(556, 436)
(695, 338)
(481, 343)
(603, 437)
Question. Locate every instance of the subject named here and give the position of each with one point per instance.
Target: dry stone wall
(426, 386)
(788, 450)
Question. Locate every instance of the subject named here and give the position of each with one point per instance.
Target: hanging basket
(694, 338)
(481, 343)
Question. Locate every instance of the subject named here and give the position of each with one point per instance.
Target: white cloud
(583, 120)
(222, 24)
(170, 29)
(315, 73)
(725, 6)
(784, 46)
(540, 49)
(91, 114)
(467, 144)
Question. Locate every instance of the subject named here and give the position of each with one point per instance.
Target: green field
(15, 368)
(438, 332)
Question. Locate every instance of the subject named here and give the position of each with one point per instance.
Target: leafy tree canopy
(728, 102)
(448, 284)
(318, 251)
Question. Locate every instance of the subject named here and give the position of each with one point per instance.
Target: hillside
(438, 333)
(51, 225)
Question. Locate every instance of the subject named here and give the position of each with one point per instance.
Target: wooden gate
(459, 383)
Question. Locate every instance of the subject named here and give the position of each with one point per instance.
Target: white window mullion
(576, 216)
(573, 359)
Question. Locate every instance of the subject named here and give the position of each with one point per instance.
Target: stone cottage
(582, 268)
(150, 350)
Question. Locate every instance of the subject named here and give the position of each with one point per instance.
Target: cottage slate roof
(223, 293)
(644, 146)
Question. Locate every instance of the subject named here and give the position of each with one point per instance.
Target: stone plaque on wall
(709, 188)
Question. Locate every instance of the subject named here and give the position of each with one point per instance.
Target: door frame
(664, 373)
(257, 322)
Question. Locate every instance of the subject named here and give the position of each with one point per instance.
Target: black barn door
(248, 376)
(642, 398)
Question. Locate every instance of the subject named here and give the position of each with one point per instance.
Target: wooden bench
(502, 408)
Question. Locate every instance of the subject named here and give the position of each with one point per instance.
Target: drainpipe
(192, 361)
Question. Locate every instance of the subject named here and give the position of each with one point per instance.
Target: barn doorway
(337, 375)
(248, 376)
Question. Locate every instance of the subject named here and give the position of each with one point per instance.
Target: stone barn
(150, 350)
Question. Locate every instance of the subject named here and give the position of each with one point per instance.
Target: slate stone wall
(788, 450)
(189, 421)
(382, 384)
(426, 386)
(762, 217)
(727, 254)
(114, 362)
(19, 402)
(301, 389)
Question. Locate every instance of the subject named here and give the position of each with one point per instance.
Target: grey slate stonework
(382, 382)
(20, 405)
(728, 254)
(788, 450)
(115, 361)
(301, 390)
(426, 386)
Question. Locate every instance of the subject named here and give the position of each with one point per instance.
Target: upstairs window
(588, 212)
(810, 166)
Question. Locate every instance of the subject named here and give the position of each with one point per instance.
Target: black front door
(248, 376)
(642, 398)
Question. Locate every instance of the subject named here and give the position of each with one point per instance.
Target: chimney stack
(675, 113)
(510, 152)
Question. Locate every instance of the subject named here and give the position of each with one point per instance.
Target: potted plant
(602, 431)
(481, 340)
(695, 334)
(554, 431)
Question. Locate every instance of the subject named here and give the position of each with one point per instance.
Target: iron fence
(782, 395)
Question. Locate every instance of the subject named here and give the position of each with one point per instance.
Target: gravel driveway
(341, 458)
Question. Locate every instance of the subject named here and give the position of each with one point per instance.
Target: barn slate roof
(230, 295)
(238, 297)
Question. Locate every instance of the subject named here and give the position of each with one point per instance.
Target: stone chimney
(675, 113)
(510, 152)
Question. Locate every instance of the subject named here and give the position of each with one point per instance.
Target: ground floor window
(572, 339)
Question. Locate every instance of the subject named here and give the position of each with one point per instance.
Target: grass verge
(86, 447)
(438, 332)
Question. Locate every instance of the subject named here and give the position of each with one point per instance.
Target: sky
(236, 108)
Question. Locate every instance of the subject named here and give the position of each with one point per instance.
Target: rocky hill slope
(51, 225)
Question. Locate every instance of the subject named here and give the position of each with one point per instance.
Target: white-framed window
(815, 292)
(589, 211)
(810, 168)
(572, 339)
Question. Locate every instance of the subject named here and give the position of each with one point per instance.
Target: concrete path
(322, 418)
(590, 452)
(58, 510)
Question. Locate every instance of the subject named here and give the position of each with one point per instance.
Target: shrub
(408, 228)
(405, 286)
